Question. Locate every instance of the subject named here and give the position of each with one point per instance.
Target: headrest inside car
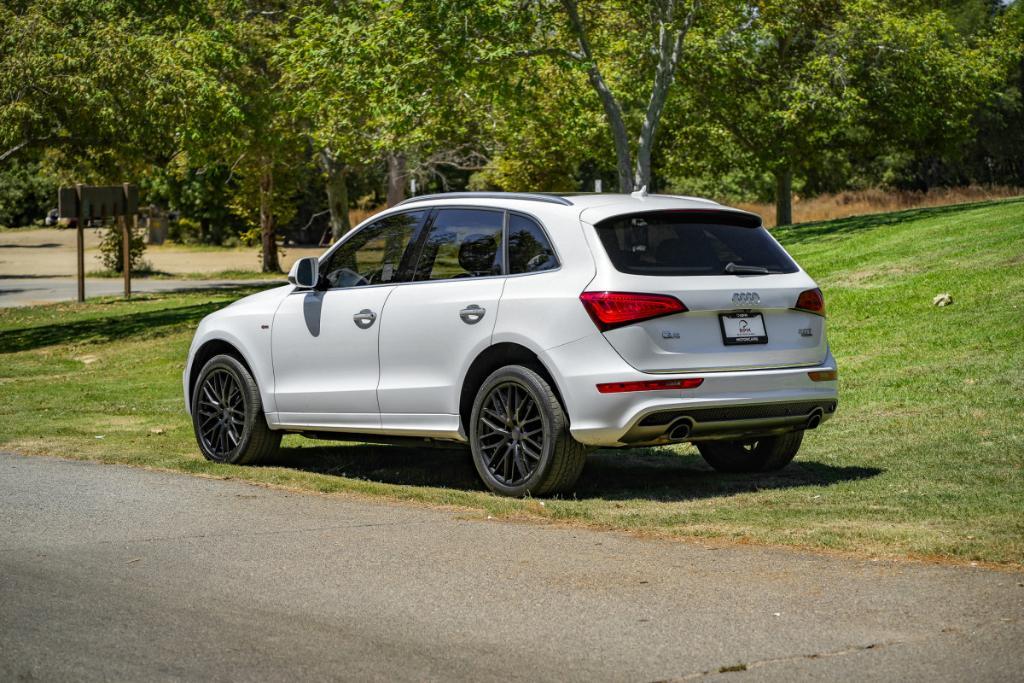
(476, 254)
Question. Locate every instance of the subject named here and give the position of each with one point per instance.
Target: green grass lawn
(924, 459)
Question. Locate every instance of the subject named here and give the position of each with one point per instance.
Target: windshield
(691, 243)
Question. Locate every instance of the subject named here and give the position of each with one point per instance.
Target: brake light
(615, 309)
(652, 385)
(811, 301)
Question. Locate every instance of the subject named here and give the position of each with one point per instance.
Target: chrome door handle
(472, 314)
(364, 318)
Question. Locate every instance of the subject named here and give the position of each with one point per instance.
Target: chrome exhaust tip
(680, 430)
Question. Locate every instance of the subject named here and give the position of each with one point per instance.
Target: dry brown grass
(358, 215)
(855, 203)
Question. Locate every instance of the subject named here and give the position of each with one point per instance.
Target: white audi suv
(533, 328)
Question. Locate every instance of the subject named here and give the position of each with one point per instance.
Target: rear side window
(461, 243)
(689, 243)
(529, 250)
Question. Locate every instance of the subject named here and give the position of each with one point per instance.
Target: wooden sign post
(85, 202)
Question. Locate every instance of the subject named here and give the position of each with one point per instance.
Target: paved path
(113, 573)
(28, 291)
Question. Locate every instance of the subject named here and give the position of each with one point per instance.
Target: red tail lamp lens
(653, 385)
(615, 309)
(811, 301)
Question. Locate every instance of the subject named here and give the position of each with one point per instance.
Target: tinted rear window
(677, 243)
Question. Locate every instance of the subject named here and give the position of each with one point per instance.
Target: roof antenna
(639, 194)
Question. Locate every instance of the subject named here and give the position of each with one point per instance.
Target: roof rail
(524, 196)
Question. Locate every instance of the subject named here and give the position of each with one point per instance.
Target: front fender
(245, 326)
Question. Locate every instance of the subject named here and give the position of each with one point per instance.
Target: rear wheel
(227, 415)
(763, 454)
(520, 436)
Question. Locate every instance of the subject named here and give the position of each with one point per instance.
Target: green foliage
(807, 87)
(112, 254)
(202, 196)
(242, 116)
(27, 193)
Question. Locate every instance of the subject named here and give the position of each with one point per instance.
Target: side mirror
(305, 273)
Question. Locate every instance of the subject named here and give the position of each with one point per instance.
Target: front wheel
(520, 436)
(227, 415)
(763, 454)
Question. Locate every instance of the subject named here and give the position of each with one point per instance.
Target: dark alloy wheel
(227, 414)
(511, 433)
(520, 437)
(762, 454)
(221, 413)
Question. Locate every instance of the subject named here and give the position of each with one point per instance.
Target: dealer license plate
(743, 328)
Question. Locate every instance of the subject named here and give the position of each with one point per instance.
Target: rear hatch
(739, 288)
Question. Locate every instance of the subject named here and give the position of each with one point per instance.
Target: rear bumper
(728, 404)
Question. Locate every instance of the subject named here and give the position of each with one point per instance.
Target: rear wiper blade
(731, 268)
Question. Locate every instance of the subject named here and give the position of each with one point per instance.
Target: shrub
(111, 254)
(184, 231)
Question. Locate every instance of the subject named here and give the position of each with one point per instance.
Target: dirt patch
(872, 277)
(52, 252)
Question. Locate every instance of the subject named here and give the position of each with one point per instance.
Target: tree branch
(551, 52)
(13, 150)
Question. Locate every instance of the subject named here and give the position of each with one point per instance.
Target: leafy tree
(100, 81)
(378, 81)
(629, 53)
(993, 150)
(542, 131)
(793, 80)
(27, 191)
(320, 68)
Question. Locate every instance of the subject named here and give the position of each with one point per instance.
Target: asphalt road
(27, 291)
(113, 573)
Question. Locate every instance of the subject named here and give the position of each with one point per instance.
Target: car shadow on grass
(657, 474)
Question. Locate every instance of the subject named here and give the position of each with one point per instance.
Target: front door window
(374, 255)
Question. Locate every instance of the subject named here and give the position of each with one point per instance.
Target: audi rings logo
(746, 298)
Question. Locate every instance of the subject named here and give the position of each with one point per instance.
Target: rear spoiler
(722, 216)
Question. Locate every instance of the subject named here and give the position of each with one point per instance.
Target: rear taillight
(650, 385)
(811, 301)
(615, 309)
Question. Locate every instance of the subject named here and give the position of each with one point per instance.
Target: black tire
(764, 454)
(227, 415)
(507, 454)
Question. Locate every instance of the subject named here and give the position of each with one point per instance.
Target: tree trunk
(624, 159)
(337, 198)
(267, 236)
(670, 46)
(396, 178)
(612, 109)
(784, 196)
(613, 114)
